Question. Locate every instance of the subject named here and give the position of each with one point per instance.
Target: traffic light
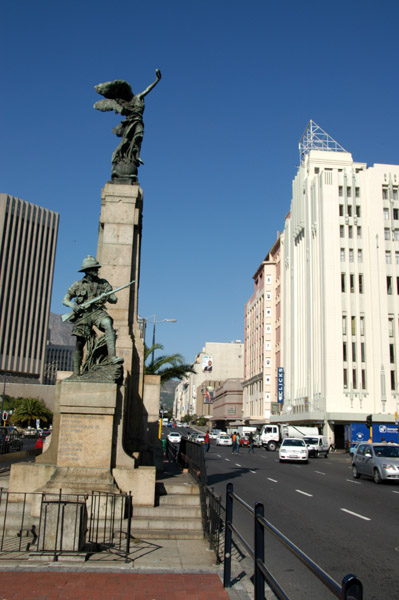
(369, 421)
(4, 416)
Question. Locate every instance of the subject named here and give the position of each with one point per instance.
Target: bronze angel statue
(120, 98)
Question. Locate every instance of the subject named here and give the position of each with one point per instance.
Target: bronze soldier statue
(87, 314)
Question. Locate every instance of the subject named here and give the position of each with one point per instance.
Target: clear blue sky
(240, 83)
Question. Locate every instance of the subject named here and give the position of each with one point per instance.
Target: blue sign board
(280, 385)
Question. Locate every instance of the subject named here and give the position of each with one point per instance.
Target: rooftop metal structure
(315, 138)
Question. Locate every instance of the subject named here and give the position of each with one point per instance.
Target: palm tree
(30, 409)
(177, 368)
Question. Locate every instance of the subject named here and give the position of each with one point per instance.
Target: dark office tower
(28, 238)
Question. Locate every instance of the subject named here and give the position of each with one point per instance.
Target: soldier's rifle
(88, 303)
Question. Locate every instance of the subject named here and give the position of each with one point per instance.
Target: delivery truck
(271, 436)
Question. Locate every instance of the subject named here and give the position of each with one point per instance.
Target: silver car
(379, 461)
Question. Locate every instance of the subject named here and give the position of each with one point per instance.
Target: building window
(268, 296)
(387, 257)
(390, 327)
(397, 285)
(351, 255)
(349, 210)
(342, 282)
(349, 192)
(344, 352)
(395, 193)
(389, 285)
(353, 352)
(395, 214)
(361, 291)
(352, 282)
(353, 325)
(386, 214)
(341, 231)
(268, 279)
(358, 211)
(362, 326)
(354, 379)
(396, 258)
(342, 254)
(393, 380)
(363, 379)
(363, 352)
(391, 354)
(359, 233)
(396, 235)
(268, 362)
(357, 192)
(360, 256)
(385, 193)
(340, 190)
(345, 378)
(350, 232)
(341, 210)
(387, 233)
(344, 325)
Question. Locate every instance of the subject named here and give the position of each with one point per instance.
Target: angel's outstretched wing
(115, 89)
(105, 105)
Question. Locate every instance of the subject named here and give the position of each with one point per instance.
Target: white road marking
(320, 472)
(273, 480)
(395, 492)
(304, 493)
(355, 514)
(237, 465)
(219, 455)
(252, 471)
(228, 460)
(352, 481)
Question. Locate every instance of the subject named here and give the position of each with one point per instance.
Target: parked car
(244, 441)
(10, 441)
(214, 434)
(200, 438)
(379, 461)
(174, 437)
(224, 439)
(192, 436)
(293, 449)
(317, 445)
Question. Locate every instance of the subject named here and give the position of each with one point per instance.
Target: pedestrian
(251, 443)
(234, 438)
(207, 442)
(238, 443)
(39, 443)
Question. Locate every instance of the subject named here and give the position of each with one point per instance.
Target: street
(344, 525)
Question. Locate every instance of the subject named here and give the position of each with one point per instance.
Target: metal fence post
(228, 536)
(352, 588)
(259, 557)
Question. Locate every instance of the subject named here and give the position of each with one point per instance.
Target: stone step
(165, 534)
(167, 510)
(170, 487)
(180, 500)
(185, 523)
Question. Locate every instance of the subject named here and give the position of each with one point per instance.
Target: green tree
(167, 366)
(30, 409)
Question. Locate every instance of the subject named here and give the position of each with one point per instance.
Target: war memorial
(105, 429)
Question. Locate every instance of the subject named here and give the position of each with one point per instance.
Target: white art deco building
(340, 307)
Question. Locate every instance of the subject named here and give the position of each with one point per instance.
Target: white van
(317, 445)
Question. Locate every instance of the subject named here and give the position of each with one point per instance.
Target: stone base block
(140, 482)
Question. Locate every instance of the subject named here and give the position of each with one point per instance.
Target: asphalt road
(344, 525)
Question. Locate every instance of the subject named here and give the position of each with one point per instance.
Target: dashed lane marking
(273, 480)
(395, 492)
(304, 493)
(250, 470)
(320, 472)
(355, 514)
(237, 465)
(352, 481)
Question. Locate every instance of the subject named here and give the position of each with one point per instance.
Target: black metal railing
(65, 523)
(350, 589)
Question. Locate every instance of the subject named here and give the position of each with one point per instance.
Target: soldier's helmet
(89, 263)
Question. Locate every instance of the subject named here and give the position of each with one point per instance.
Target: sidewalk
(158, 570)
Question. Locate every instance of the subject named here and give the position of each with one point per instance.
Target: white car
(200, 438)
(214, 434)
(174, 437)
(224, 439)
(293, 449)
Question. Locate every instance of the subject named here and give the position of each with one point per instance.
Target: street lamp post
(155, 322)
(3, 397)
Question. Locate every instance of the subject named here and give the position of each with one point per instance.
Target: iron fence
(350, 589)
(58, 524)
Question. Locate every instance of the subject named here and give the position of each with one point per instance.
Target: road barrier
(350, 589)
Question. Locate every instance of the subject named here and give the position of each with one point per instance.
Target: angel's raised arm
(152, 85)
